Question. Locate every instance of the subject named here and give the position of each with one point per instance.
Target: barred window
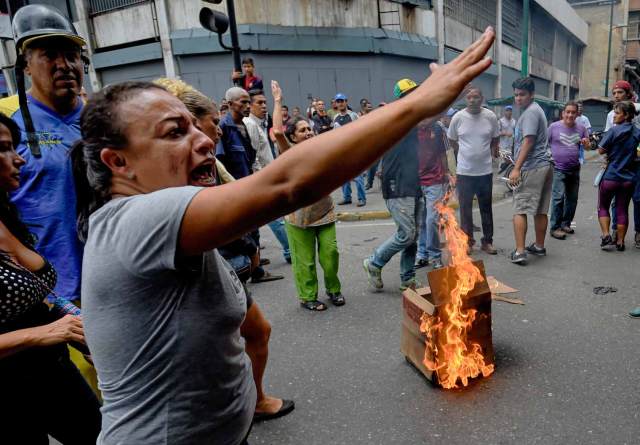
(101, 6)
(477, 14)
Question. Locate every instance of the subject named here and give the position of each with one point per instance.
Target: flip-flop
(314, 305)
(286, 408)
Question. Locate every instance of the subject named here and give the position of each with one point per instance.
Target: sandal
(314, 305)
(336, 298)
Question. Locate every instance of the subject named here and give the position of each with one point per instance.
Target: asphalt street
(566, 362)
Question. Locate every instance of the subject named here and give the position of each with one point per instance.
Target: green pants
(302, 243)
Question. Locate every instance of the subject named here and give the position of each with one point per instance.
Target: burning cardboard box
(446, 332)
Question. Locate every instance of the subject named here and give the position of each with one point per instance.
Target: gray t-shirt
(164, 332)
(533, 122)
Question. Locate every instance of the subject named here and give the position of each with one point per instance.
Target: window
(477, 14)
(101, 6)
(634, 26)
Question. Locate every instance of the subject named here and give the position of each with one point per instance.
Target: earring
(131, 175)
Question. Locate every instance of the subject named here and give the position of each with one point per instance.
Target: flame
(448, 353)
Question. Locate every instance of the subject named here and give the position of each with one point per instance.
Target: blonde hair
(197, 103)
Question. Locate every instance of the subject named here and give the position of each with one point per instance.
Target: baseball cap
(508, 108)
(402, 87)
(340, 96)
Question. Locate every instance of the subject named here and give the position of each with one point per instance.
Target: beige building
(625, 44)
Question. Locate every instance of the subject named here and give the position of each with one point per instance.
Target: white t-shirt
(508, 125)
(584, 121)
(474, 133)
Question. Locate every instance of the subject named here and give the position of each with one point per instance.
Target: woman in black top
(41, 392)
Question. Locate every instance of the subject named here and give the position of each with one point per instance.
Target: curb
(372, 215)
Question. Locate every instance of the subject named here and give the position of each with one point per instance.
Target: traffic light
(219, 23)
(214, 21)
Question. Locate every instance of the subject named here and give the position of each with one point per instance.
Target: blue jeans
(429, 241)
(346, 189)
(277, 227)
(407, 214)
(371, 174)
(564, 198)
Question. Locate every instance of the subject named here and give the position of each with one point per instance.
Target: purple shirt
(565, 145)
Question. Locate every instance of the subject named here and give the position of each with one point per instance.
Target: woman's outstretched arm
(319, 165)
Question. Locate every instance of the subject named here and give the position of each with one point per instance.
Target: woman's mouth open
(203, 175)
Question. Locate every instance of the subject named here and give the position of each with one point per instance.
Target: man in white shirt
(622, 90)
(257, 133)
(507, 125)
(474, 135)
(582, 119)
(260, 143)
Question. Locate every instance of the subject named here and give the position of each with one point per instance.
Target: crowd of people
(130, 225)
(129, 228)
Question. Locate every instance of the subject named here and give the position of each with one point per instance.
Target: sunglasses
(339, 100)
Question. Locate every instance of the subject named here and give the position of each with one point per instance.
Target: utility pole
(233, 29)
(525, 39)
(219, 23)
(606, 75)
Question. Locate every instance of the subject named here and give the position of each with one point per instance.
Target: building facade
(625, 44)
(320, 47)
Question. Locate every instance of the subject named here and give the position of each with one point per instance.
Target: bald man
(234, 149)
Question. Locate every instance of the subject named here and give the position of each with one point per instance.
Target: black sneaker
(344, 202)
(535, 250)
(518, 257)
(607, 243)
(422, 262)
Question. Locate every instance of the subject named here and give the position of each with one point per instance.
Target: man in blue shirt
(238, 155)
(234, 149)
(46, 198)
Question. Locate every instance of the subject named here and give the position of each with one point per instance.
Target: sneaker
(437, 264)
(567, 230)
(488, 248)
(518, 257)
(535, 250)
(422, 262)
(344, 202)
(558, 234)
(411, 284)
(361, 203)
(607, 243)
(374, 274)
(368, 187)
(636, 240)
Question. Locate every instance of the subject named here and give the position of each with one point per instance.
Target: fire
(448, 353)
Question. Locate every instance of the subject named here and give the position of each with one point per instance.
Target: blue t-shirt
(621, 143)
(46, 198)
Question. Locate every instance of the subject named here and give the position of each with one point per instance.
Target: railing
(101, 6)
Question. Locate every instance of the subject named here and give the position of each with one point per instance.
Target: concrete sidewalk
(376, 208)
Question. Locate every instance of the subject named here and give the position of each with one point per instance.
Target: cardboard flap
(419, 300)
(498, 287)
